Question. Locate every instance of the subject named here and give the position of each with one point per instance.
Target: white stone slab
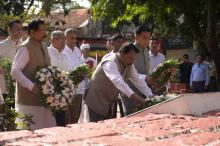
(186, 104)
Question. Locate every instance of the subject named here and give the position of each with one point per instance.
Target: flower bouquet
(158, 78)
(57, 89)
(77, 75)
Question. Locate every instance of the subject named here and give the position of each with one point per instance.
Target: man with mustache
(108, 81)
(32, 55)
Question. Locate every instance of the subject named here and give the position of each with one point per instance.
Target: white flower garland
(57, 89)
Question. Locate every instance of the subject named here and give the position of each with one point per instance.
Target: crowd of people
(119, 78)
(201, 76)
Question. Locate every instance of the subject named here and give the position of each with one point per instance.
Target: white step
(186, 104)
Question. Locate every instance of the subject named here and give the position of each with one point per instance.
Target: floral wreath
(57, 89)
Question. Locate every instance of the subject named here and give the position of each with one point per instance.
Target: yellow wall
(179, 53)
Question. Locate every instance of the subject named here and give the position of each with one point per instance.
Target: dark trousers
(129, 106)
(95, 117)
(198, 86)
(60, 117)
(212, 84)
(74, 110)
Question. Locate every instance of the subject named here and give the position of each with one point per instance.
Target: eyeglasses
(57, 38)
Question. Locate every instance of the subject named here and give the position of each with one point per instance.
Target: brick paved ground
(153, 129)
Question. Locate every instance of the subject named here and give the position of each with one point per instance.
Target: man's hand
(137, 99)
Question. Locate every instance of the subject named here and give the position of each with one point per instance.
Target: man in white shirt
(108, 81)
(59, 58)
(29, 57)
(75, 59)
(9, 46)
(155, 56)
(57, 51)
(91, 62)
(74, 53)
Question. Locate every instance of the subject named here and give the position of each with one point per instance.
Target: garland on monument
(158, 78)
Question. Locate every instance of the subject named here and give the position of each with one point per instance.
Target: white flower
(38, 73)
(56, 102)
(67, 89)
(63, 99)
(42, 79)
(69, 100)
(56, 97)
(44, 70)
(50, 67)
(59, 75)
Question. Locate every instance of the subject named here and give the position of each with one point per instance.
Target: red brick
(151, 129)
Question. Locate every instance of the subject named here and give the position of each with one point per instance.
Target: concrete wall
(179, 53)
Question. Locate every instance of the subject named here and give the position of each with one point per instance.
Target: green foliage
(6, 64)
(25, 17)
(187, 19)
(8, 116)
(7, 112)
(154, 101)
(157, 79)
(77, 75)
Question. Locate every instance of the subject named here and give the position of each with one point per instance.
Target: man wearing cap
(108, 81)
(91, 62)
(115, 41)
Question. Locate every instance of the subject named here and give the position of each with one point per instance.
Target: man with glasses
(75, 60)
(59, 58)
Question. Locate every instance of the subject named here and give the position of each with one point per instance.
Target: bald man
(59, 58)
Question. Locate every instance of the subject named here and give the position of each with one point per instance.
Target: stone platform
(190, 119)
(152, 130)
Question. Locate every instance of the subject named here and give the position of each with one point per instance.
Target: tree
(211, 35)
(65, 5)
(25, 9)
(192, 20)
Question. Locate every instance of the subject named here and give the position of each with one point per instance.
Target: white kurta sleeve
(139, 83)
(112, 72)
(20, 61)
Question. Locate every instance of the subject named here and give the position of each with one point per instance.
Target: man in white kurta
(9, 46)
(75, 59)
(31, 55)
(155, 56)
(59, 58)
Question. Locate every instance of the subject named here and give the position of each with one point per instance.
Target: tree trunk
(211, 36)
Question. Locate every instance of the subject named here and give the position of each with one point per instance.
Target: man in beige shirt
(8, 47)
